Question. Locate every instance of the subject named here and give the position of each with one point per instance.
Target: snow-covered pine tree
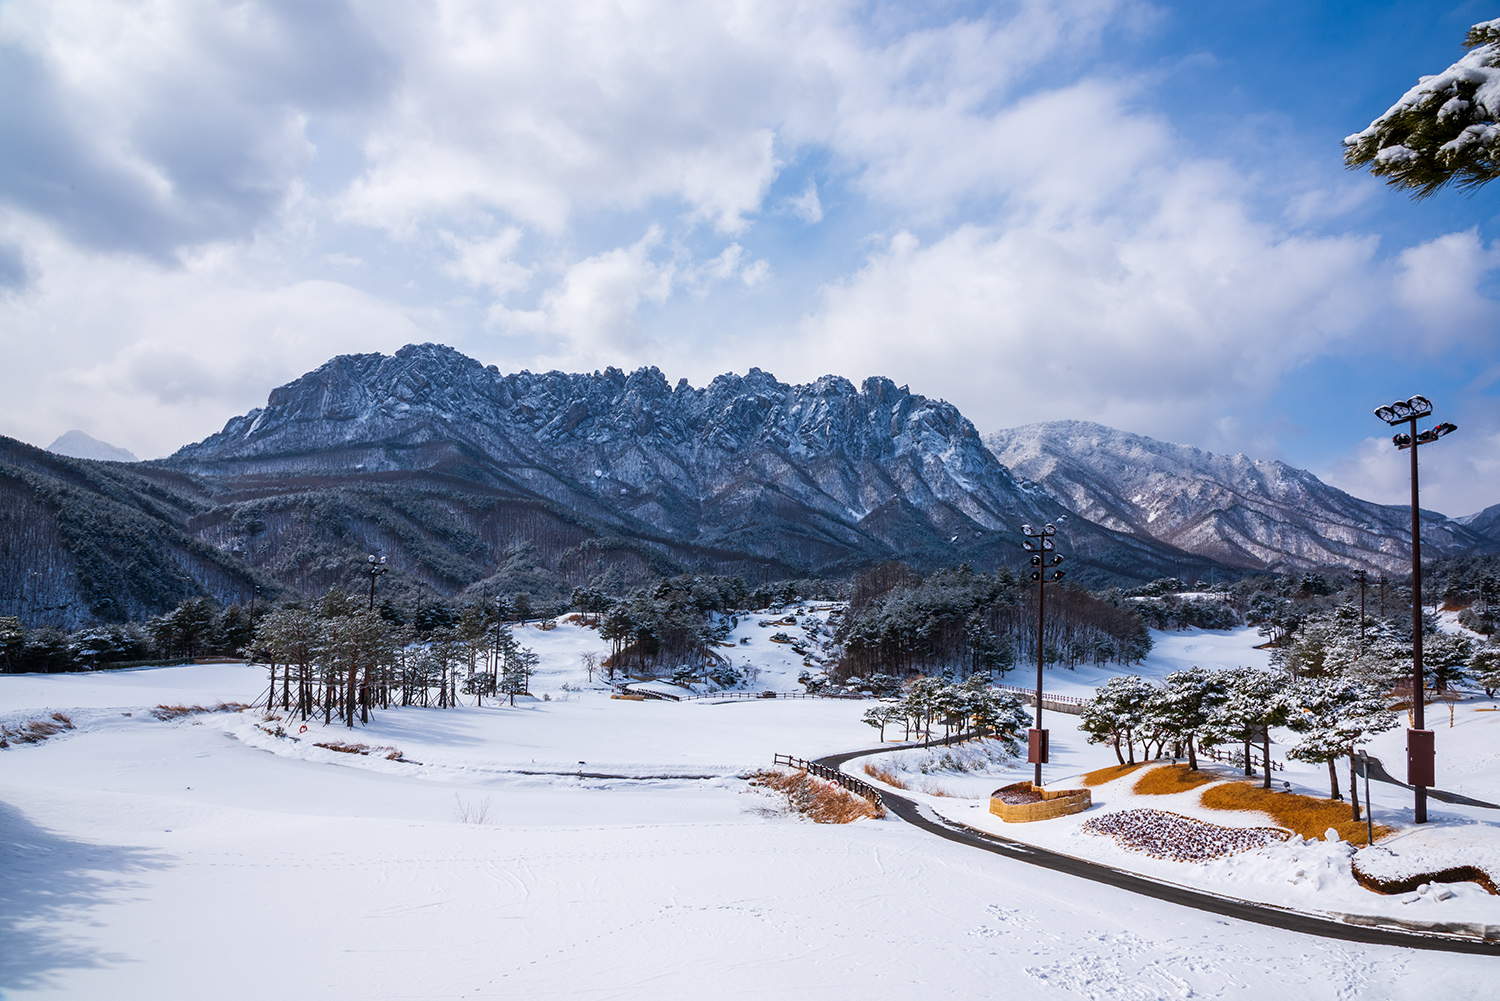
(1187, 703)
(1333, 716)
(515, 678)
(1442, 131)
(1445, 656)
(1116, 711)
(998, 714)
(1254, 701)
(1484, 668)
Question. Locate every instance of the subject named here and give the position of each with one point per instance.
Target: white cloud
(539, 110)
(1457, 474)
(150, 357)
(489, 261)
(807, 205)
(1438, 284)
(1044, 244)
(1156, 317)
(592, 313)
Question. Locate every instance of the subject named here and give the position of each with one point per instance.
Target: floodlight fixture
(1419, 754)
(1405, 410)
(1044, 558)
(375, 568)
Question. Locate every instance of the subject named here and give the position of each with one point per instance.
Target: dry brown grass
(1308, 816)
(35, 731)
(882, 774)
(1167, 779)
(389, 753)
(166, 713)
(821, 802)
(890, 778)
(1102, 775)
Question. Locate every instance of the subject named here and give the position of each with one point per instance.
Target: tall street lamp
(375, 569)
(1420, 754)
(1360, 576)
(1043, 561)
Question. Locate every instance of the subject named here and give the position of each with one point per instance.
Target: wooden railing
(1237, 758)
(849, 782)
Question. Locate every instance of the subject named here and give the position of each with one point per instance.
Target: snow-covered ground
(205, 857)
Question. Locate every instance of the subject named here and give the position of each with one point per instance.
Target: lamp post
(1043, 560)
(375, 569)
(1364, 759)
(1361, 574)
(1420, 754)
(253, 595)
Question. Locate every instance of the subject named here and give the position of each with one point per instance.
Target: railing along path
(834, 775)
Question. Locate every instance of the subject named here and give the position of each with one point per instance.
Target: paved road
(1265, 914)
(1379, 774)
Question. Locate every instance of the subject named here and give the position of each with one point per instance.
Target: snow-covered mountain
(1240, 511)
(1485, 523)
(78, 445)
(820, 476)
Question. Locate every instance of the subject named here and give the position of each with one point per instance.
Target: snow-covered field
(204, 857)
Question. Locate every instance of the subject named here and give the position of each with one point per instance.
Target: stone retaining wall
(1054, 803)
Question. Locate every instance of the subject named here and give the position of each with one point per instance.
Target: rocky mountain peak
(1260, 514)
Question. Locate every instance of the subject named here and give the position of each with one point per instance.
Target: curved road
(1379, 774)
(1265, 914)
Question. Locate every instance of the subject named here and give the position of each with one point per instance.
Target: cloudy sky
(1134, 213)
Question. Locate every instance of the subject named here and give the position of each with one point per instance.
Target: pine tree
(1333, 717)
(1187, 702)
(1116, 711)
(1443, 130)
(1254, 702)
(1484, 668)
(1445, 656)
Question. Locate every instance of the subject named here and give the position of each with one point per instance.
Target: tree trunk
(1249, 770)
(350, 694)
(1117, 749)
(1130, 745)
(1266, 750)
(1333, 781)
(1353, 784)
(1192, 755)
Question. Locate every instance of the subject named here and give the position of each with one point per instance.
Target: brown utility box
(1421, 758)
(1036, 746)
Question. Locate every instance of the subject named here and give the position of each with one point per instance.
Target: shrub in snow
(813, 682)
(1386, 871)
(726, 675)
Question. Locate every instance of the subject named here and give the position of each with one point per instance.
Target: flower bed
(1165, 835)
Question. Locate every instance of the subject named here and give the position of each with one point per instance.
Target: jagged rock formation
(806, 479)
(467, 478)
(1242, 512)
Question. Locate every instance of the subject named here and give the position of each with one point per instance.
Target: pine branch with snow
(1442, 131)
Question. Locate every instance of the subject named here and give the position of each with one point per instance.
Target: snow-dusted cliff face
(818, 474)
(1240, 511)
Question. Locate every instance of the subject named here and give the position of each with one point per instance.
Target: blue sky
(1099, 209)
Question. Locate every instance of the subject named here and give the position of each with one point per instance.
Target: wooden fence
(1237, 758)
(849, 782)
